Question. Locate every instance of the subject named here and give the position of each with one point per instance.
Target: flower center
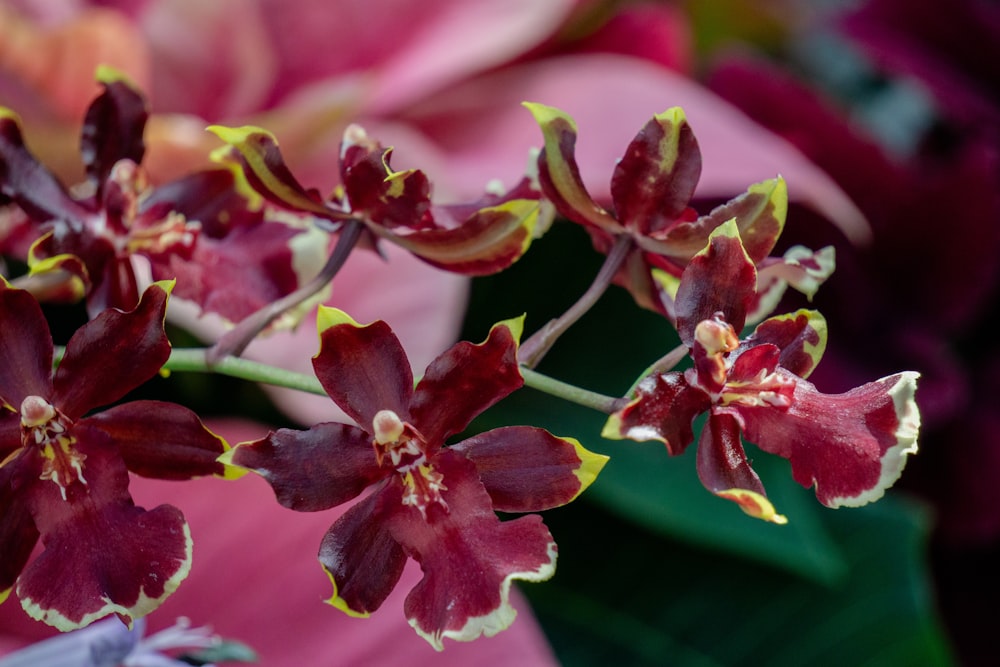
(405, 448)
(44, 427)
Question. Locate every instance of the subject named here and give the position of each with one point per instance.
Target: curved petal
(489, 241)
(469, 558)
(312, 470)
(113, 354)
(654, 181)
(803, 269)
(261, 163)
(663, 408)
(363, 368)
(464, 381)
(800, 336)
(25, 347)
(25, 180)
(725, 471)
(10, 433)
(720, 278)
(112, 572)
(162, 440)
(113, 126)
(760, 216)
(362, 559)
(559, 174)
(18, 534)
(851, 446)
(103, 555)
(527, 469)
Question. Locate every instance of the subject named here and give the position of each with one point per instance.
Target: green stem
(533, 349)
(571, 393)
(236, 339)
(195, 359)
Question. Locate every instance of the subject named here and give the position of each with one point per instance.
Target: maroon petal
(119, 560)
(103, 555)
(488, 241)
(654, 181)
(725, 471)
(18, 533)
(760, 216)
(246, 269)
(720, 278)
(801, 337)
(161, 440)
(469, 558)
(464, 381)
(113, 126)
(26, 181)
(315, 469)
(363, 368)
(663, 408)
(25, 347)
(113, 354)
(559, 174)
(362, 559)
(527, 469)
(852, 446)
(10, 431)
(259, 160)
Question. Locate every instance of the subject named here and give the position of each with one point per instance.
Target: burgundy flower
(65, 476)
(851, 446)
(477, 238)
(430, 502)
(651, 189)
(86, 237)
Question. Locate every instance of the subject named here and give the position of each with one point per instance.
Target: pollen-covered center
(47, 430)
(404, 448)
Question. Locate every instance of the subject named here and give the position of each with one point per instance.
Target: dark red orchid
(851, 446)
(651, 190)
(430, 502)
(85, 239)
(473, 239)
(65, 471)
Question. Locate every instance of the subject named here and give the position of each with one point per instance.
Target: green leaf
(638, 599)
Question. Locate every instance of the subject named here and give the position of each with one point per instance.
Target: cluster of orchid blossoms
(245, 240)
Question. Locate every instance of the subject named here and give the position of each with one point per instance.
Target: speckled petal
(469, 558)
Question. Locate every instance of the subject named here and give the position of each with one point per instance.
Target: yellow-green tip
(754, 504)
(545, 114)
(336, 601)
(106, 74)
(514, 324)
(327, 317)
(239, 135)
(591, 464)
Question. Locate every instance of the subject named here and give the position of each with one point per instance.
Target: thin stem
(541, 341)
(669, 360)
(571, 393)
(234, 342)
(196, 359)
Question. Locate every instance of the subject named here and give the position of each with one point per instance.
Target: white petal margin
(906, 433)
(143, 606)
(500, 618)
